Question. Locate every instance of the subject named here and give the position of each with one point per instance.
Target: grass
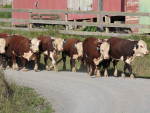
(18, 99)
(6, 15)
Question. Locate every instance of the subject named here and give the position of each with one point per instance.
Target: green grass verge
(18, 99)
(141, 65)
(6, 15)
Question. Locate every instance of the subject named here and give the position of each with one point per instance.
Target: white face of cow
(58, 44)
(2, 45)
(142, 48)
(35, 45)
(104, 50)
(79, 49)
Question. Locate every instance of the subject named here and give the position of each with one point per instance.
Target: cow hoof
(132, 76)
(122, 75)
(106, 75)
(35, 70)
(79, 67)
(115, 74)
(48, 69)
(89, 74)
(98, 76)
(51, 67)
(7, 67)
(73, 70)
(56, 70)
(1, 67)
(24, 70)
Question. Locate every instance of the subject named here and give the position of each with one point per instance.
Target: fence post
(107, 21)
(66, 19)
(30, 24)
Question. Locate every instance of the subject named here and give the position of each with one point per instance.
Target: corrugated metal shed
(132, 6)
(144, 7)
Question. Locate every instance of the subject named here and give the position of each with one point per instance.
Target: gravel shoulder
(78, 93)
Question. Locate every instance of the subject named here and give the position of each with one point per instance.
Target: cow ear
(64, 41)
(136, 46)
(30, 42)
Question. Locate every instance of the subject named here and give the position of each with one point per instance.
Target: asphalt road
(79, 93)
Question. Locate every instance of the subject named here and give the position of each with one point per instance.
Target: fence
(66, 22)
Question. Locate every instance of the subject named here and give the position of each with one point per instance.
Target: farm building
(4, 2)
(106, 5)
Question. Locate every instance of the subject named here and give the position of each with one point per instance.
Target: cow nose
(3, 52)
(106, 57)
(147, 53)
(80, 55)
(37, 50)
(61, 49)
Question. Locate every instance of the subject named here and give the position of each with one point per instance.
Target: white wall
(4, 2)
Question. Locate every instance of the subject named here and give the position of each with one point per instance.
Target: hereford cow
(95, 51)
(126, 51)
(25, 48)
(51, 48)
(5, 55)
(74, 49)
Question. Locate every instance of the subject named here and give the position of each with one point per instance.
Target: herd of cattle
(93, 51)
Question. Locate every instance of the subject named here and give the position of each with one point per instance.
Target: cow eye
(103, 50)
(141, 46)
(33, 44)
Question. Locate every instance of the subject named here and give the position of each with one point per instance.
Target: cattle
(74, 49)
(51, 48)
(25, 48)
(4, 43)
(126, 51)
(95, 51)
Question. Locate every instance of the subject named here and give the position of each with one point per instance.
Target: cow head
(58, 44)
(104, 50)
(2, 45)
(35, 45)
(141, 50)
(79, 48)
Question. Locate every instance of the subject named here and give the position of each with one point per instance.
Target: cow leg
(7, 60)
(93, 67)
(36, 64)
(24, 63)
(115, 67)
(123, 73)
(15, 65)
(64, 61)
(45, 60)
(1, 65)
(130, 70)
(98, 71)
(53, 61)
(88, 68)
(82, 63)
(72, 61)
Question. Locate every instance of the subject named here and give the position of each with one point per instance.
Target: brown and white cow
(4, 48)
(51, 48)
(74, 49)
(126, 51)
(25, 48)
(95, 51)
